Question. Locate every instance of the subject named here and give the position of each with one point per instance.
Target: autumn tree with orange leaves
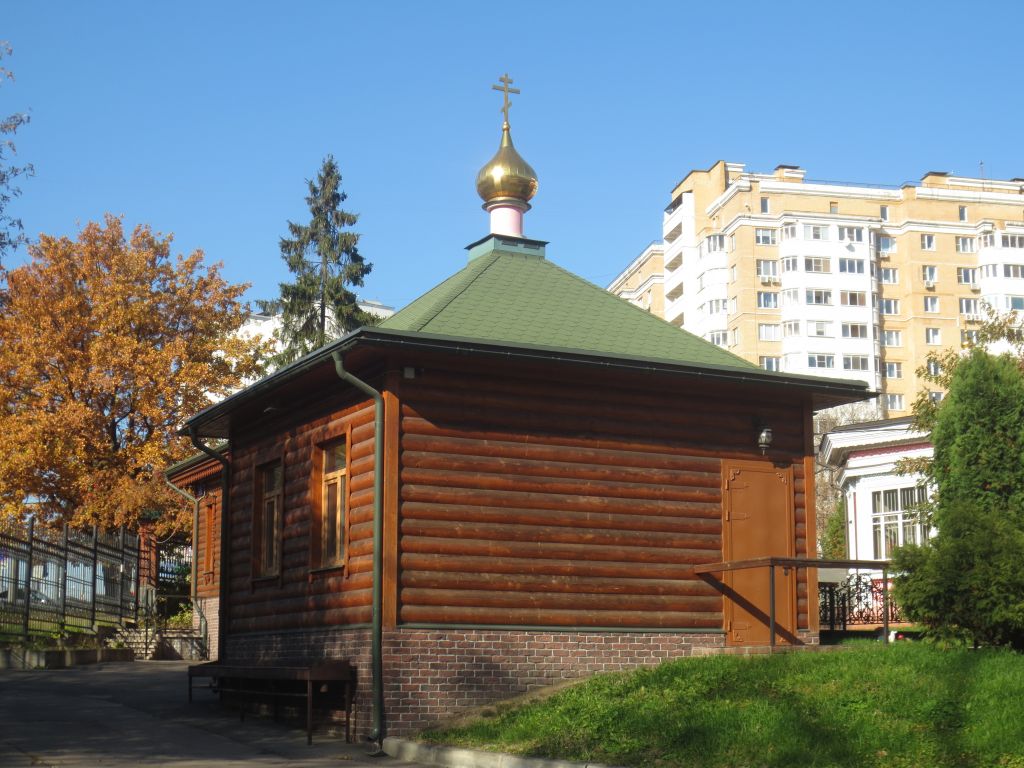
(106, 345)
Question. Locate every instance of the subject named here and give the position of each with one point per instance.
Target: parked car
(19, 596)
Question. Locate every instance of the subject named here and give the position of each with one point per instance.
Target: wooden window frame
(273, 570)
(208, 506)
(318, 492)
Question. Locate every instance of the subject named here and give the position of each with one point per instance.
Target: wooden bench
(282, 681)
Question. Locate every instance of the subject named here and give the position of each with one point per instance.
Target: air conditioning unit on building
(929, 283)
(975, 287)
(973, 318)
(766, 279)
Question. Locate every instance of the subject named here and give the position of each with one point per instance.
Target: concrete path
(138, 714)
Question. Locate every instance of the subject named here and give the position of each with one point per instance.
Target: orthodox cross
(505, 81)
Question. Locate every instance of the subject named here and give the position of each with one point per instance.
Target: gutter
(225, 562)
(376, 631)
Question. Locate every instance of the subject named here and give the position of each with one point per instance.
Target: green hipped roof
(510, 293)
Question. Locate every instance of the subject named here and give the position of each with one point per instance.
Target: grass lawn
(908, 704)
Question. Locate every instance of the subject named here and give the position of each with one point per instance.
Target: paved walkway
(138, 714)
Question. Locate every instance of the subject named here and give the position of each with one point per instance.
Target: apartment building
(642, 282)
(838, 279)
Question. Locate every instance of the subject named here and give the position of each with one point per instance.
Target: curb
(456, 757)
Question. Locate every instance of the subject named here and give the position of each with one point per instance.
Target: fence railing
(856, 601)
(66, 580)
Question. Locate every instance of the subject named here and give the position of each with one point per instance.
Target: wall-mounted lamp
(764, 440)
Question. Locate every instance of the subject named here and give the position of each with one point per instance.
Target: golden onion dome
(506, 175)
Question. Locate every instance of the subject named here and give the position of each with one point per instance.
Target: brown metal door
(758, 517)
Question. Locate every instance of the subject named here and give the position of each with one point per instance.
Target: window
(855, 362)
(968, 306)
(767, 268)
(790, 264)
(1015, 302)
(819, 328)
(990, 270)
(764, 236)
(892, 338)
(821, 361)
(852, 266)
(889, 306)
(890, 275)
(966, 245)
(929, 273)
(719, 338)
(927, 242)
(716, 305)
(833, 207)
(886, 244)
(894, 402)
(818, 296)
(855, 331)
(853, 298)
(715, 243)
(790, 296)
(968, 338)
(815, 232)
(851, 234)
(765, 205)
(769, 363)
(734, 336)
(1013, 241)
(267, 525)
(883, 212)
(931, 303)
(935, 397)
(966, 275)
(791, 328)
(932, 336)
(894, 370)
(896, 519)
(987, 241)
(768, 332)
(212, 531)
(963, 213)
(817, 264)
(933, 367)
(334, 506)
(789, 232)
(767, 299)
(1013, 270)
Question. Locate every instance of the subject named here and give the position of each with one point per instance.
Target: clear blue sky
(205, 118)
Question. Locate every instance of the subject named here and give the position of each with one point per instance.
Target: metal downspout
(193, 591)
(376, 639)
(225, 509)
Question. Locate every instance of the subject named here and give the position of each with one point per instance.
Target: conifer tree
(324, 258)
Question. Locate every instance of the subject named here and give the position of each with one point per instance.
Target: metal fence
(66, 580)
(856, 601)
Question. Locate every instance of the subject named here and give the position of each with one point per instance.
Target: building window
(770, 363)
(715, 306)
(768, 299)
(714, 243)
(1013, 270)
(719, 338)
(892, 338)
(894, 370)
(764, 236)
(267, 523)
(851, 234)
(987, 241)
(966, 275)
(853, 298)
(833, 207)
(819, 296)
(789, 232)
(767, 268)
(889, 306)
(790, 264)
(334, 502)
(734, 335)
(817, 264)
(935, 397)
(819, 328)
(927, 242)
(896, 519)
(790, 297)
(894, 402)
(990, 270)
(1015, 303)
(821, 361)
(890, 275)
(855, 331)
(963, 213)
(968, 306)
(212, 533)
(966, 245)
(934, 368)
(968, 338)
(1013, 241)
(932, 336)
(883, 212)
(929, 273)
(855, 362)
(791, 328)
(768, 332)
(852, 266)
(815, 232)
(931, 303)
(886, 244)
(765, 205)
